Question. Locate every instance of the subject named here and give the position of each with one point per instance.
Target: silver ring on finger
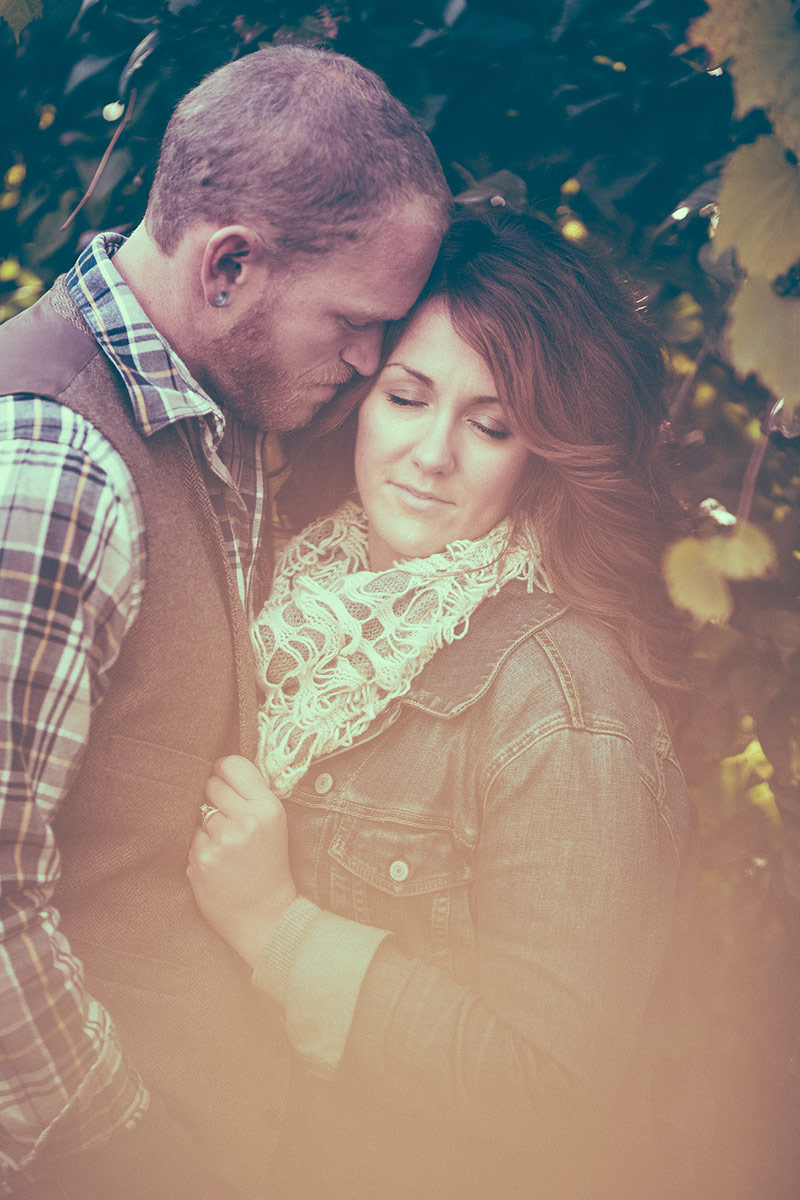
(207, 811)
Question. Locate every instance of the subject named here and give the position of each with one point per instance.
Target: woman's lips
(417, 499)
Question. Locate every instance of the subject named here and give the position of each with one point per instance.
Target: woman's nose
(434, 449)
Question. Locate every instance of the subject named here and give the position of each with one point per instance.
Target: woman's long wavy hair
(581, 378)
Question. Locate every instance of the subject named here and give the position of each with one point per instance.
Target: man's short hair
(305, 145)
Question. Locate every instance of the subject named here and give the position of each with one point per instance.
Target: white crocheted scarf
(336, 642)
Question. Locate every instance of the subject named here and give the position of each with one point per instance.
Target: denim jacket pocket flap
(399, 859)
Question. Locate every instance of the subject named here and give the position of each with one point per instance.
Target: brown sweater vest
(182, 692)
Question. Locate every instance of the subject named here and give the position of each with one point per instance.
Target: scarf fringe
(336, 643)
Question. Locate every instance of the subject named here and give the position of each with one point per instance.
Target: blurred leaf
(87, 68)
(19, 13)
(759, 208)
(695, 583)
(504, 184)
(786, 419)
(744, 553)
(684, 320)
(783, 626)
(715, 643)
(696, 570)
(117, 167)
(760, 43)
(48, 235)
(142, 51)
(763, 335)
(84, 8)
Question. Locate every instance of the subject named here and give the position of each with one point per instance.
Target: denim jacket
(494, 873)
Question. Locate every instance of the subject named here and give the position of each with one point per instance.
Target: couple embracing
(353, 871)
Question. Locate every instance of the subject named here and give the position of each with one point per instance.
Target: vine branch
(101, 166)
(755, 464)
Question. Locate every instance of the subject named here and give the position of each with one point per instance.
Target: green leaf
(759, 208)
(744, 553)
(760, 42)
(19, 13)
(695, 583)
(763, 337)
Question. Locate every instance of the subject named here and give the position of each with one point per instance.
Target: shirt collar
(160, 386)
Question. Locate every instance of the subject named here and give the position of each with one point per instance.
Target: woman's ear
(233, 259)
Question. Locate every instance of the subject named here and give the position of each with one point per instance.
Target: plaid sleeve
(71, 575)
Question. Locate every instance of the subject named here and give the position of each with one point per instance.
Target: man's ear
(230, 258)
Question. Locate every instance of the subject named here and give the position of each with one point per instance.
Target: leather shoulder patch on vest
(41, 352)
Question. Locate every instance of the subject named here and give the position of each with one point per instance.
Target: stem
(102, 164)
(679, 403)
(755, 464)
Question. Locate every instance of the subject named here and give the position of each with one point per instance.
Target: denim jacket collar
(459, 674)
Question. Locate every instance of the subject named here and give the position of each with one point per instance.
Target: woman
(487, 830)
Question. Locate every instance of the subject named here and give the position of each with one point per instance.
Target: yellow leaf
(15, 175)
(744, 553)
(685, 319)
(19, 13)
(763, 335)
(762, 796)
(757, 760)
(704, 396)
(574, 230)
(760, 42)
(694, 583)
(759, 208)
(681, 363)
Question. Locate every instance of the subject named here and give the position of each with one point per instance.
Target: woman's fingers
(239, 866)
(243, 777)
(221, 795)
(246, 806)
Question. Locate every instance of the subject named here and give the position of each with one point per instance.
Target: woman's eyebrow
(410, 370)
(428, 382)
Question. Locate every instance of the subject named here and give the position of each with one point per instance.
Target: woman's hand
(239, 860)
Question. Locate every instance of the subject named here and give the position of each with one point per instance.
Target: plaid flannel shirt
(72, 573)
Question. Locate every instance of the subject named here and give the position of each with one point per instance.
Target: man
(296, 209)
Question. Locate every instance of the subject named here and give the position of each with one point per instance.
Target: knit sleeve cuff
(274, 964)
(313, 965)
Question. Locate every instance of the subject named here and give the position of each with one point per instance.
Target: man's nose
(363, 350)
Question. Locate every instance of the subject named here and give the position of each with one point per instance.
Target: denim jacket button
(323, 783)
(399, 870)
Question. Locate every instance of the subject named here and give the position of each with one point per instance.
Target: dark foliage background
(603, 117)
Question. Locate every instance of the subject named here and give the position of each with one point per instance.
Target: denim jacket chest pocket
(405, 876)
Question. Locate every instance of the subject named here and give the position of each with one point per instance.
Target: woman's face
(435, 460)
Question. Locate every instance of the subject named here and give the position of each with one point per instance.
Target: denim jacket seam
(663, 816)
(339, 806)
(443, 709)
(662, 752)
(564, 675)
(545, 729)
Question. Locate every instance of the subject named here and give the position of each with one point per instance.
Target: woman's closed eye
(498, 432)
(404, 401)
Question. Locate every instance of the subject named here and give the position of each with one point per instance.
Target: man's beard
(255, 384)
